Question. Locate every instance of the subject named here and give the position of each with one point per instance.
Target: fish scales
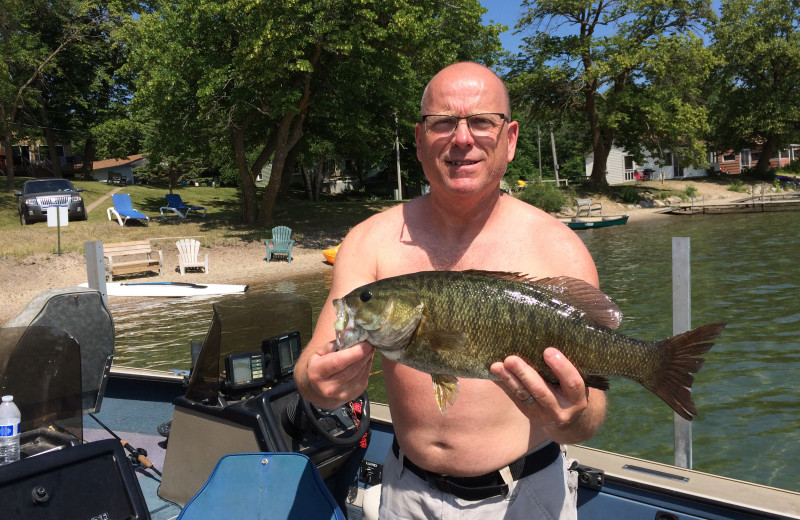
(456, 324)
(511, 319)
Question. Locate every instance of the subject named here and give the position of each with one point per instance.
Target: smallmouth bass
(454, 324)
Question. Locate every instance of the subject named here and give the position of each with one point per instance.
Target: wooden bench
(587, 205)
(117, 263)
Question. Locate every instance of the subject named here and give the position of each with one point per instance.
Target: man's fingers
(344, 362)
(570, 380)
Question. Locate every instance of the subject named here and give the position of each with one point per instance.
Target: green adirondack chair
(281, 241)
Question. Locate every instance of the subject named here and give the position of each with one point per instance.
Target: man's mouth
(462, 163)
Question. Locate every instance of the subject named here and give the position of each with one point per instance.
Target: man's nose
(462, 133)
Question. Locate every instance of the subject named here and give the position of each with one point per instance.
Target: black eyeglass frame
(458, 119)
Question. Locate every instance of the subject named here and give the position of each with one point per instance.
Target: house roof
(112, 163)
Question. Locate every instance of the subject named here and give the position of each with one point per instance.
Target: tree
(756, 90)
(242, 77)
(633, 68)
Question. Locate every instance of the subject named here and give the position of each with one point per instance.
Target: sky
(506, 12)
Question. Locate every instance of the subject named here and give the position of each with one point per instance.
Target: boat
(330, 254)
(578, 223)
(169, 289)
(101, 441)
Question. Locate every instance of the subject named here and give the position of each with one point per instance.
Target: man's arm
(326, 377)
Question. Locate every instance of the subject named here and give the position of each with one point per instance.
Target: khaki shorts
(548, 494)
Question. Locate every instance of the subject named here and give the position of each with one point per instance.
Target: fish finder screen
(289, 349)
(282, 353)
(245, 370)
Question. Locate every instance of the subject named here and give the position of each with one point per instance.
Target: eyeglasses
(480, 125)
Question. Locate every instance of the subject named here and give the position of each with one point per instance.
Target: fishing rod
(137, 454)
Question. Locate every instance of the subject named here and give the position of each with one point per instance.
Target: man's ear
(513, 134)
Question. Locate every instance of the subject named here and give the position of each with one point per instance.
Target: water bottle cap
(8, 398)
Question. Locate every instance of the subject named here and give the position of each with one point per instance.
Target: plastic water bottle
(9, 430)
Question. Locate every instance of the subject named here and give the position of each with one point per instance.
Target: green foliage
(248, 79)
(754, 95)
(545, 196)
(691, 191)
(737, 186)
(633, 70)
(629, 195)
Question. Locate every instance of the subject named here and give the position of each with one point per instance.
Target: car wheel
(22, 219)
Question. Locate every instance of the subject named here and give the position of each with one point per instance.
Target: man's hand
(335, 377)
(564, 409)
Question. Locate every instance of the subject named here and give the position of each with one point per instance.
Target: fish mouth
(347, 334)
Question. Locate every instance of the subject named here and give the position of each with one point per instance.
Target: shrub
(691, 191)
(544, 196)
(629, 195)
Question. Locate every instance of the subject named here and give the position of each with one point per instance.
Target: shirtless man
(443, 465)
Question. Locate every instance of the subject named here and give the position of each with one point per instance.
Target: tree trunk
(601, 143)
(9, 163)
(89, 153)
(50, 138)
(767, 149)
(246, 178)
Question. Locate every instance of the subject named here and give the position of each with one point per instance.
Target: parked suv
(38, 195)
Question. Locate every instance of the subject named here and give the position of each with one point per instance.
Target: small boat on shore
(169, 289)
(578, 223)
(330, 254)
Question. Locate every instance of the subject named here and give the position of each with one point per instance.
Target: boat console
(241, 397)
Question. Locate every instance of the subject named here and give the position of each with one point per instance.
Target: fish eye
(365, 296)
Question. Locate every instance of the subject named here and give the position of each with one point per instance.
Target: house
(733, 162)
(118, 171)
(33, 159)
(621, 165)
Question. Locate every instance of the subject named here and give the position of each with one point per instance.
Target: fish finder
(280, 355)
(245, 371)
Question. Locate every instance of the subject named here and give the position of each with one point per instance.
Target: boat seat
(271, 486)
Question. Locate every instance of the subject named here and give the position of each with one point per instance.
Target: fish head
(381, 313)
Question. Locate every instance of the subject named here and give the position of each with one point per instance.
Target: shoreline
(245, 263)
(22, 279)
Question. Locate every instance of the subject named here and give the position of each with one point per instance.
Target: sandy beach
(22, 279)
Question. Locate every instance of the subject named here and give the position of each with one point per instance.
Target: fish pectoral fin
(597, 381)
(445, 389)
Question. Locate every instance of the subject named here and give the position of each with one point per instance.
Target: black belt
(488, 485)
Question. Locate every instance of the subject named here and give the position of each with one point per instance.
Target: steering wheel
(343, 418)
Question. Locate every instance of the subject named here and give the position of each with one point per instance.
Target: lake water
(745, 272)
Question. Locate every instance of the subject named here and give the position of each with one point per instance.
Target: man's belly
(483, 431)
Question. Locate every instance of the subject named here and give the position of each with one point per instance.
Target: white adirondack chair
(189, 255)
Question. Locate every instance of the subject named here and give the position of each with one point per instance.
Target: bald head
(466, 73)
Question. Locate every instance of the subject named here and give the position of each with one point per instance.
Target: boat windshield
(240, 324)
(41, 368)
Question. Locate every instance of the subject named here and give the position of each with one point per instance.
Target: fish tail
(673, 381)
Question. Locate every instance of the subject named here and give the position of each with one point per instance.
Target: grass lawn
(315, 225)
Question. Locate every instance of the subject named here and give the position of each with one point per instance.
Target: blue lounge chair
(281, 241)
(123, 210)
(176, 205)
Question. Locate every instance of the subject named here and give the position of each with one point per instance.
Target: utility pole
(397, 146)
(539, 149)
(555, 159)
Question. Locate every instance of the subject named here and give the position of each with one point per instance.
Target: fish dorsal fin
(590, 301)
